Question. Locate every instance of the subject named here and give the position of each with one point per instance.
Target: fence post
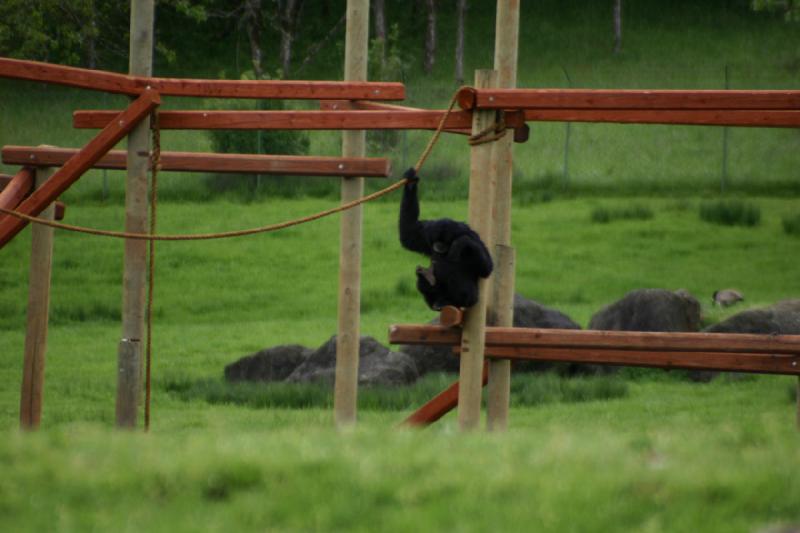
(501, 305)
(30, 407)
(353, 145)
(136, 211)
(481, 198)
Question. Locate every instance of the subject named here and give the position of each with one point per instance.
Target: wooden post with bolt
(501, 305)
(30, 407)
(353, 145)
(136, 211)
(481, 193)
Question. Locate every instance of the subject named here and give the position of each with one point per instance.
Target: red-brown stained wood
(17, 188)
(441, 404)
(135, 85)
(289, 120)
(626, 99)
(79, 163)
(704, 117)
(693, 360)
(624, 340)
(61, 211)
(283, 165)
(450, 316)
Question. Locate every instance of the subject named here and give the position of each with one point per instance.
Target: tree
(289, 12)
(461, 8)
(617, 26)
(430, 36)
(379, 26)
(788, 8)
(252, 23)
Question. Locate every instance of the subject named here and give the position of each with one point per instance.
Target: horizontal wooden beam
(450, 316)
(469, 98)
(289, 120)
(5, 181)
(282, 165)
(83, 160)
(698, 117)
(16, 188)
(134, 85)
(762, 363)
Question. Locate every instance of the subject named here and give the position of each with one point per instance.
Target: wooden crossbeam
(226, 163)
(16, 188)
(292, 120)
(697, 117)
(83, 160)
(134, 85)
(469, 98)
(777, 354)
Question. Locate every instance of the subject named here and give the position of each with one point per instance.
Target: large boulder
(377, 365)
(650, 310)
(782, 318)
(272, 364)
(527, 314)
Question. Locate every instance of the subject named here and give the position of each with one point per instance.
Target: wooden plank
(470, 98)
(225, 163)
(134, 85)
(79, 163)
(700, 117)
(764, 363)
(17, 188)
(288, 120)
(441, 404)
(622, 340)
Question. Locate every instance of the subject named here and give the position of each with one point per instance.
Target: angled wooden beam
(283, 165)
(469, 98)
(441, 404)
(289, 120)
(16, 188)
(79, 163)
(134, 85)
(698, 117)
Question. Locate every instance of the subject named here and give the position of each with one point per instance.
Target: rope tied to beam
(261, 229)
(490, 133)
(155, 166)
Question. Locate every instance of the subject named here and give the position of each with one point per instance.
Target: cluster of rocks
(640, 310)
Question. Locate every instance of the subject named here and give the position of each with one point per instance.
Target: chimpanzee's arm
(412, 229)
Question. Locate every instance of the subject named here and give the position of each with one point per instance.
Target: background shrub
(731, 213)
(791, 224)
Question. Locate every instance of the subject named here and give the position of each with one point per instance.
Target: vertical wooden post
(136, 211)
(798, 403)
(481, 193)
(501, 306)
(128, 382)
(353, 145)
(30, 405)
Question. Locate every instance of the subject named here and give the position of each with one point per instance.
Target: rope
(155, 163)
(490, 133)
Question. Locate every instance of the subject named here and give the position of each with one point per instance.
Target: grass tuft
(731, 213)
(604, 215)
(791, 224)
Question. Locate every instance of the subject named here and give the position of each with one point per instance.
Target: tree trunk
(461, 8)
(91, 38)
(252, 22)
(430, 37)
(617, 26)
(288, 25)
(379, 18)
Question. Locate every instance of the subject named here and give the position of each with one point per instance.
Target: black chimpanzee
(458, 256)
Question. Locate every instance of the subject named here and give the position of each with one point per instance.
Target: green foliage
(604, 215)
(788, 8)
(386, 63)
(791, 224)
(731, 213)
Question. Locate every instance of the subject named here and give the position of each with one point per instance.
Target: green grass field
(599, 210)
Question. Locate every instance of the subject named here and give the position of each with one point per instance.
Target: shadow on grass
(526, 390)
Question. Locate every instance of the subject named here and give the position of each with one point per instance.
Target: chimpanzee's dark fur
(458, 256)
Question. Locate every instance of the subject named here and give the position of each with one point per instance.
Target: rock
(650, 310)
(653, 310)
(782, 318)
(527, 314)
(377, 365)
(272, 364)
